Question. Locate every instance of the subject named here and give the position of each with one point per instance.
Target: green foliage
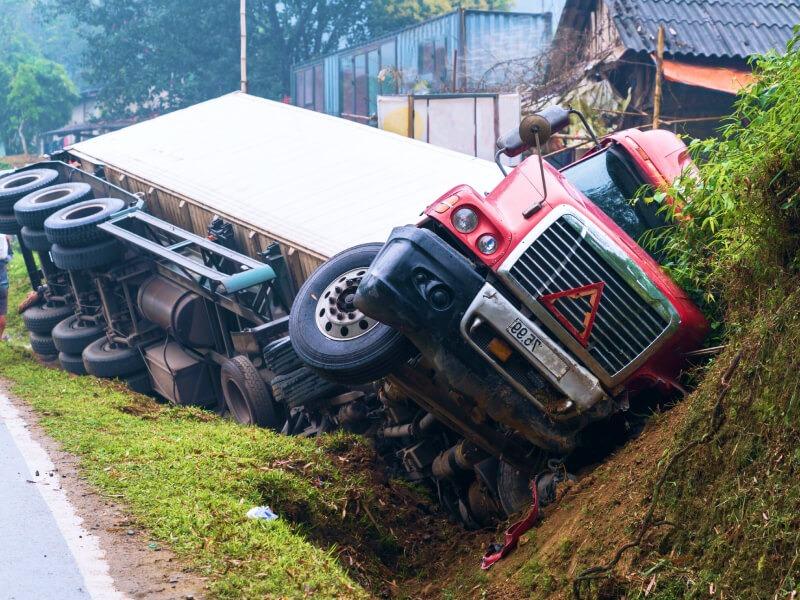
(385, 17)
(41, 97)
(748, 193)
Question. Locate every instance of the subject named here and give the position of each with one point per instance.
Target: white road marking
(84, 546)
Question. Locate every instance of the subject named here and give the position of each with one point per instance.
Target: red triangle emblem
(593, 293)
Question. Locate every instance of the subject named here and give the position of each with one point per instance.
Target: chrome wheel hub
(337, 317)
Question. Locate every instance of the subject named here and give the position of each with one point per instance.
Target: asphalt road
(44, 551)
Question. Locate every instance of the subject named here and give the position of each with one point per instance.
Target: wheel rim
(237, 404)
(336, 316)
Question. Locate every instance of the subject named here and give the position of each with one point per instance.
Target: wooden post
(410, 130)
(243, 35)
(455, 70)
(659, 77)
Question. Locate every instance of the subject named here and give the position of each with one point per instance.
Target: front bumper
(491, 316)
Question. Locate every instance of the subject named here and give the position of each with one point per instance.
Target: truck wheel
(73, 334)
(139, 383)
(9, 225)
(280, 357)
(302, 387)
(513, 487)
(89, 257)
(15, 186)
(246, 395)
(43, 345)
(32, 210)
(42, 318)
(332, 336)
(76, 225)
(35, 239)
(72, 363)
(104, 359)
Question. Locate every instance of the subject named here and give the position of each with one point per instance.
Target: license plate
(528, 340)
(524, 335)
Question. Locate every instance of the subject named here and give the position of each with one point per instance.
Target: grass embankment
(732, 501)
(188, 478)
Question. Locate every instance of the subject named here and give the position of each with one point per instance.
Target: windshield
(611, 182)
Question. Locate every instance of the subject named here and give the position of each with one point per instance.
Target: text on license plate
(524, 335)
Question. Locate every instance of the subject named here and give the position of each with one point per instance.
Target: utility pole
(243, 28)
(659, 78)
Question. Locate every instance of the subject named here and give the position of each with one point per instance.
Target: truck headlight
(487, 244)
(465, 220)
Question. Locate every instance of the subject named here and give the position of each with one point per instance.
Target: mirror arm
(534, 208)
(497, 156)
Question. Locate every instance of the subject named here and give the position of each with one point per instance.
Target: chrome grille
(561, 259)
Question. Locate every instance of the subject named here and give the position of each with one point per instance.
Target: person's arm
(5, 249)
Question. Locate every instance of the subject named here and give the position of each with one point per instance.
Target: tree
(41, 97)
(166, 54)
(385, 17)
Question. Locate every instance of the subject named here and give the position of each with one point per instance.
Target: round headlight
(487, 244)
(465, 220)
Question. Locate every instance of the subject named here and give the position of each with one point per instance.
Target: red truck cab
(534, 310)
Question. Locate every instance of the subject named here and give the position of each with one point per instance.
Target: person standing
(5, 257)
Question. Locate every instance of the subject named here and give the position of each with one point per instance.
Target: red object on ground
(496, 551)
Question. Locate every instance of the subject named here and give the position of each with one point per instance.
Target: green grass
(189, 478)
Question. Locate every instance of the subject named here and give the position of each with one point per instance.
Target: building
(465, 50)
(706, 50)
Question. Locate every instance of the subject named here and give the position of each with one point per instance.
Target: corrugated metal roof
(317, 182)
(720, 28)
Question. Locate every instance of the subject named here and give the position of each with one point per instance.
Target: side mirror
(542, 124)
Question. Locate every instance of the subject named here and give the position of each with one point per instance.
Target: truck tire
(89, 257)
(332, 336)
(72, 363)
(280, 357)
(76, 226)
(42, 345)
(15, 186)
(246, 395)
(139, 383)
(32, 210)
(73, 334)
(9, 225)
(42, 318)
(302, 387)
(35, 239)
(104, 359)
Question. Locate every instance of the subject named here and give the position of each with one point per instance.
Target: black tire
(514, 487)
(76, 225)
(32, 210)
(103, 359)
(42, 344)
(15, 186)
(89, 257)
(139, 383)
(9, 225)
(72, 363)
(302, 387)
(35, 239)
(280, 357)
(247, 397)
(42, 318)
(73, 334)
(366, 358)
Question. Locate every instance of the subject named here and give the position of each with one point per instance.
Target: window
(348, 85)
(309, 88)
(373, 67)
(389, 85)
(360, 65)
(610, 181)
(433, 62)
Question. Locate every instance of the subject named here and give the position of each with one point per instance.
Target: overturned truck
(475, 347)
